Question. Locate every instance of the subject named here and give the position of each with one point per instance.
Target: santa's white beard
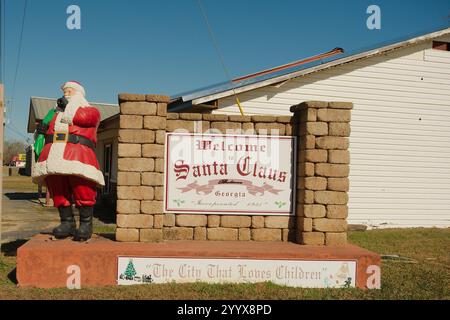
(75, 101)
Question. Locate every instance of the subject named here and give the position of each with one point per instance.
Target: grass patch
(19, 183)
(105, 229)
(428, 278)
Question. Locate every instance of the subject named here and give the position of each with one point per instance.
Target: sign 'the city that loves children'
(229, 174)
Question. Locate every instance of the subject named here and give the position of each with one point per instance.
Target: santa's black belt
(61, 137)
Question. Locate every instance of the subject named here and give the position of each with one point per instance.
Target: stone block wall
(144, 122)
(140, 167)
(322, 171)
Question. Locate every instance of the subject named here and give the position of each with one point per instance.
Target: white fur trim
(56, 164)
(59, 126)
(74, 85)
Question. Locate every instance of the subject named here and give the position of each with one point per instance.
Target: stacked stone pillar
(140, 167)
(322, 171)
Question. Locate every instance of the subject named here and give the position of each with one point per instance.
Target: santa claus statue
(67, 163)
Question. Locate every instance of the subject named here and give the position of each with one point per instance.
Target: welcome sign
(229, 174)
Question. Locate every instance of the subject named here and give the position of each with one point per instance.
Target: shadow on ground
(105, 214)
(110, 236)
(12, 276)
(22, 195)
(9, 249)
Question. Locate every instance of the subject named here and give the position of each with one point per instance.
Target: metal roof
(39, 107)
(226, 89)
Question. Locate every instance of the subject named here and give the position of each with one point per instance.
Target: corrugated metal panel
(400, 140)
(41, 106)
(224, 90)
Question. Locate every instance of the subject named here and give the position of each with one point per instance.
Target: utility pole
(2, 109)
(1, 156)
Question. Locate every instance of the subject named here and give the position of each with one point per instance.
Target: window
(439, 45)
(107, 158)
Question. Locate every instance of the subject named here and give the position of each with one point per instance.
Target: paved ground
(23, 214)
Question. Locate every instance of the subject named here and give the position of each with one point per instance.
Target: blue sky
(163, 46)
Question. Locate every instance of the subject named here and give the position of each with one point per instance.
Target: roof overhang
(327, 65)
(31, 119)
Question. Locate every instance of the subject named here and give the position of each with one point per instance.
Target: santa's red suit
(68, 164)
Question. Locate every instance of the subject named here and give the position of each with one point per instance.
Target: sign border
(176, 257)
(233, 212)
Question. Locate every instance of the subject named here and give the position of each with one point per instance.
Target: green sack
(39, 143)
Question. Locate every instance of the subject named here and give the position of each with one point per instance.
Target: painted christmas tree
(130, 272)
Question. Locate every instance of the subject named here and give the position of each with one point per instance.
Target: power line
(2, 62)
(219, 54)
(3, 39)
(17, 133)
(10, 123)
(14, 129)
(214, 41)
(27, 139)
(19, 53)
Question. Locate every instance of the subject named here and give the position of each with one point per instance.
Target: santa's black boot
(84, 232)
(68, 226)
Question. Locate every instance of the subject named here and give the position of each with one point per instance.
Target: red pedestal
(43, 263)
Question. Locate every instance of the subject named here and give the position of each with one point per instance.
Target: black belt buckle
(60, 137)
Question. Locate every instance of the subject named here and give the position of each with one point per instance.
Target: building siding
(400, 140)
(109, 135)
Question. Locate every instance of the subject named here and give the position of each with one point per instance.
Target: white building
(400, 140)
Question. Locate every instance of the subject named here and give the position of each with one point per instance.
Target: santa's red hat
(74, 85)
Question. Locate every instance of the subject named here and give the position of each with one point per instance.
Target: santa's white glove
(67, 119)
(75, 102)
(69, 112)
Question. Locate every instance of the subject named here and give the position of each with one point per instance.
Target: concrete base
(43, 263)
